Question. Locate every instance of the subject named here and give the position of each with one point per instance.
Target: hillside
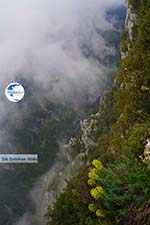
(112, 183)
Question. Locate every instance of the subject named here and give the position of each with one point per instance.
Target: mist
(46, 43)
(42, 40)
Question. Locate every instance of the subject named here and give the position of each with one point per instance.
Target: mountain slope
(114, 188)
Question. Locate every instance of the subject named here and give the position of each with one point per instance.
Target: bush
(124, 183)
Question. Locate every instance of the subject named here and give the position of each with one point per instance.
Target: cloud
(43, 39)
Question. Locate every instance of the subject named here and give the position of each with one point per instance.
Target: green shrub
(124, 183)
(137, 139)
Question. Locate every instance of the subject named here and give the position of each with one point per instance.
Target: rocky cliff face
(130, 22)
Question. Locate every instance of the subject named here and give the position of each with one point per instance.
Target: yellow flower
(93, 174)
(92, 208)
(100, 190)
(91, 182)
(97, 192)
(144, 88)
(94, 193)
(100, 213)
(97, 164)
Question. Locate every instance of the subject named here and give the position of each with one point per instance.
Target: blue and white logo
(14, 92)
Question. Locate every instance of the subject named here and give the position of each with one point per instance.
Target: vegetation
(124, 42)
(114, 188)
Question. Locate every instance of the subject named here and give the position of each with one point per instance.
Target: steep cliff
(111, 185)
